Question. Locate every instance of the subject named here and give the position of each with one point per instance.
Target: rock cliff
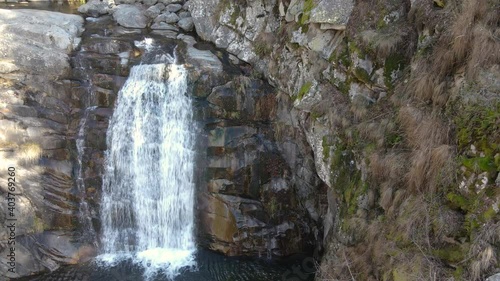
(365, 130)
(399, 102)
(36, 109)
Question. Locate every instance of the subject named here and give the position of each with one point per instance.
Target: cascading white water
(85, 219)
(148, 189)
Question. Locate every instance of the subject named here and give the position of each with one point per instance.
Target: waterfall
(85, 217)
(148, 188)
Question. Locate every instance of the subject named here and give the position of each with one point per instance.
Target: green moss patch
(308, 6)
(304, 90)
(392, 64)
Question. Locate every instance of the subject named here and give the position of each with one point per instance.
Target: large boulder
(335, 13)
(94, 8)
(186, 24)
(495, 277)
(130, 16)
(37, 42)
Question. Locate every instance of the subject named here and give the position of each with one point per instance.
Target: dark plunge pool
(210, 267)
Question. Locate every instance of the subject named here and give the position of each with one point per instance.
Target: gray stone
(164, 26)
(184, 14)
(495, 277)
(202, 12)
(149, 2)
(168, 2)
(165, 33)
(152, 12)
(203, 59)
(167, 17)
(186, 24)
(130, 16)
(294, 9)
(173, 8)
(94, 8)
(126, 1)
(37, 42)
(7, 67)
(160, 6)
(335, 12)
(186, 6)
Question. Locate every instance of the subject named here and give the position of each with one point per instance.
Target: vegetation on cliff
(413, 153)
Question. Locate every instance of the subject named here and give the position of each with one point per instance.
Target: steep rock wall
(394, 99)
(36, 115)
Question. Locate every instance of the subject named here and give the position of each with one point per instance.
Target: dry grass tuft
(430, 169)
(373, 131)
(390, 168)
(470, 41)
(422, 130)
(418, 170)
(383, 43)
(483, 256)
(386, 196)
(484, 50)
(30, 152)
(399, 197)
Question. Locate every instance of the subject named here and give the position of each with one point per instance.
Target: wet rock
(186, 24)
(130, 16)
(164, 26)
(106, 47)
(204, 59)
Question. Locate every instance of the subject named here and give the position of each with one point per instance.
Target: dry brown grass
(469, 41)
(399, 197)
(484, 50)
(423, 130)
(410, 181)
(389, 167)
(373, 131)
(386, 196)
(430, 169)
(482, 254)
(383, 43)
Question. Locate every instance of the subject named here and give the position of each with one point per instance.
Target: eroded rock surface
(36, 115)
(37, 42)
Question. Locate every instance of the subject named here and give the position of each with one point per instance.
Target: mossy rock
(304, 90)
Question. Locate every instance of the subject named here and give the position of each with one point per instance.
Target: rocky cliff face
(36, 114)
(258, 196)
(394, 100)
(367, 130)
